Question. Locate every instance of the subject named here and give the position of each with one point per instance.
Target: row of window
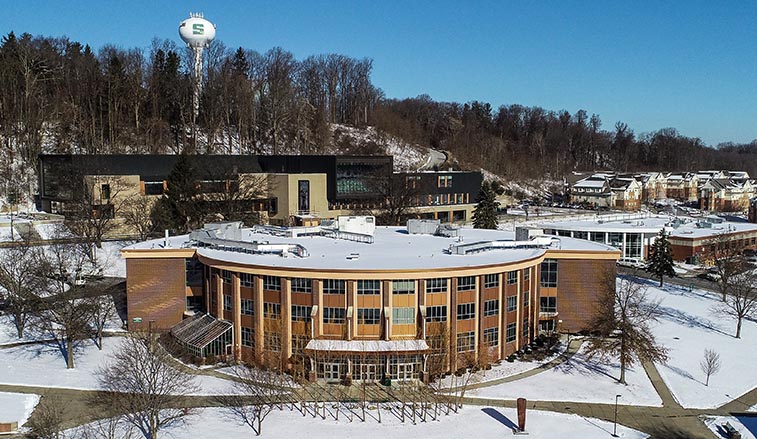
(490, 336)
(372, 287)
(372, 316)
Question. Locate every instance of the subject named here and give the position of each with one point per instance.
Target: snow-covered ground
(687, 328)
(715, 424)
(581, 380)
(109, 257)
(52, 230)
(8, 332)
(506, 369)
(481, 423)
(45, 365)
(6, 235)
(17, 407)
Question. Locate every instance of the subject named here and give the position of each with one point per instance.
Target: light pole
(615, 421)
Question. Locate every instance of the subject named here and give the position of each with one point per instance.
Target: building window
(153, 188)
(436, 313)
(466, 341)
(548, 304)
(368, 287)
(526, 274)
(105, 192)
(299, 342)
(334, 315)
(272, 283)
(272, 341)
(248, 307)
(445, 181)
(491, 307)
(226, 302)
(412, 181)
(333, 286)
(512, 303)
(300, 285)
(526, 298)
(403, 287)
(466, 311)
(511, 332)
(248, 337)
(226, 276)
(491, 336)
(491, 280)
(466, 283)
(300, 313)
(403, 316)
(549, 273)
(368, 316)
(329, 371)
(271, 310)
(436, 285)
(247, 280)
(193, 269)
(526, 328)
(512, 277)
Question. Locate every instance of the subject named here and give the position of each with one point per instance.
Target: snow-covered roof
(687, 227)
(393, 249)
(358, 346)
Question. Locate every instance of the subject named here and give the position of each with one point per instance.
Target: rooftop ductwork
(217, 237)
(482, 246)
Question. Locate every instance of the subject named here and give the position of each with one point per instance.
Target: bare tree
(139, 381)
(740, 300)
(710, 364)
(21, 281)
(256, 392)
(92, 211)
(622, 316)
(727, 261)
(47, 419)
(136, 214)
(109, 428)
(65, 311)
(102, 310)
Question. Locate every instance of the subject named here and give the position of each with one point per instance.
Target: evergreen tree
(661, 257)
(179, 208)
(485, 213)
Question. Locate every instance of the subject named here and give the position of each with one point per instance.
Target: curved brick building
(359, 301)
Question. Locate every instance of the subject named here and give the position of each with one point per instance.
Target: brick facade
(155, 291)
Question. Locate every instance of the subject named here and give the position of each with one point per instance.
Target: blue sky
(691, 65)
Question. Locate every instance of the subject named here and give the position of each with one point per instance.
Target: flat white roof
(393, 249)
(688, 229)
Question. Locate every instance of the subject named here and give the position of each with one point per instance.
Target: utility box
(526, 233)
(422, 226)
(361, 225)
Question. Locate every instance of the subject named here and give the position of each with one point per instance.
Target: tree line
(61, 96)
(516, 141)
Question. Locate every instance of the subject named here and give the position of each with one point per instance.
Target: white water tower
(197, 32)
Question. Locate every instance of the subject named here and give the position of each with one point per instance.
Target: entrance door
(405, 371)
(368, 372)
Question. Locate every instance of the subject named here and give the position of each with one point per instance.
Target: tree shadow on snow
(688, 320)
(502, 419)
(682, 373)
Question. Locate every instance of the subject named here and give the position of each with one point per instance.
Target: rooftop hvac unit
(422, 226)
(361, 225)
(526, 233)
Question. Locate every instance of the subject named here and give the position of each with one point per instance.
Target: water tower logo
(197, 33)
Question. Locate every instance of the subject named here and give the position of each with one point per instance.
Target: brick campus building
(360, 301)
